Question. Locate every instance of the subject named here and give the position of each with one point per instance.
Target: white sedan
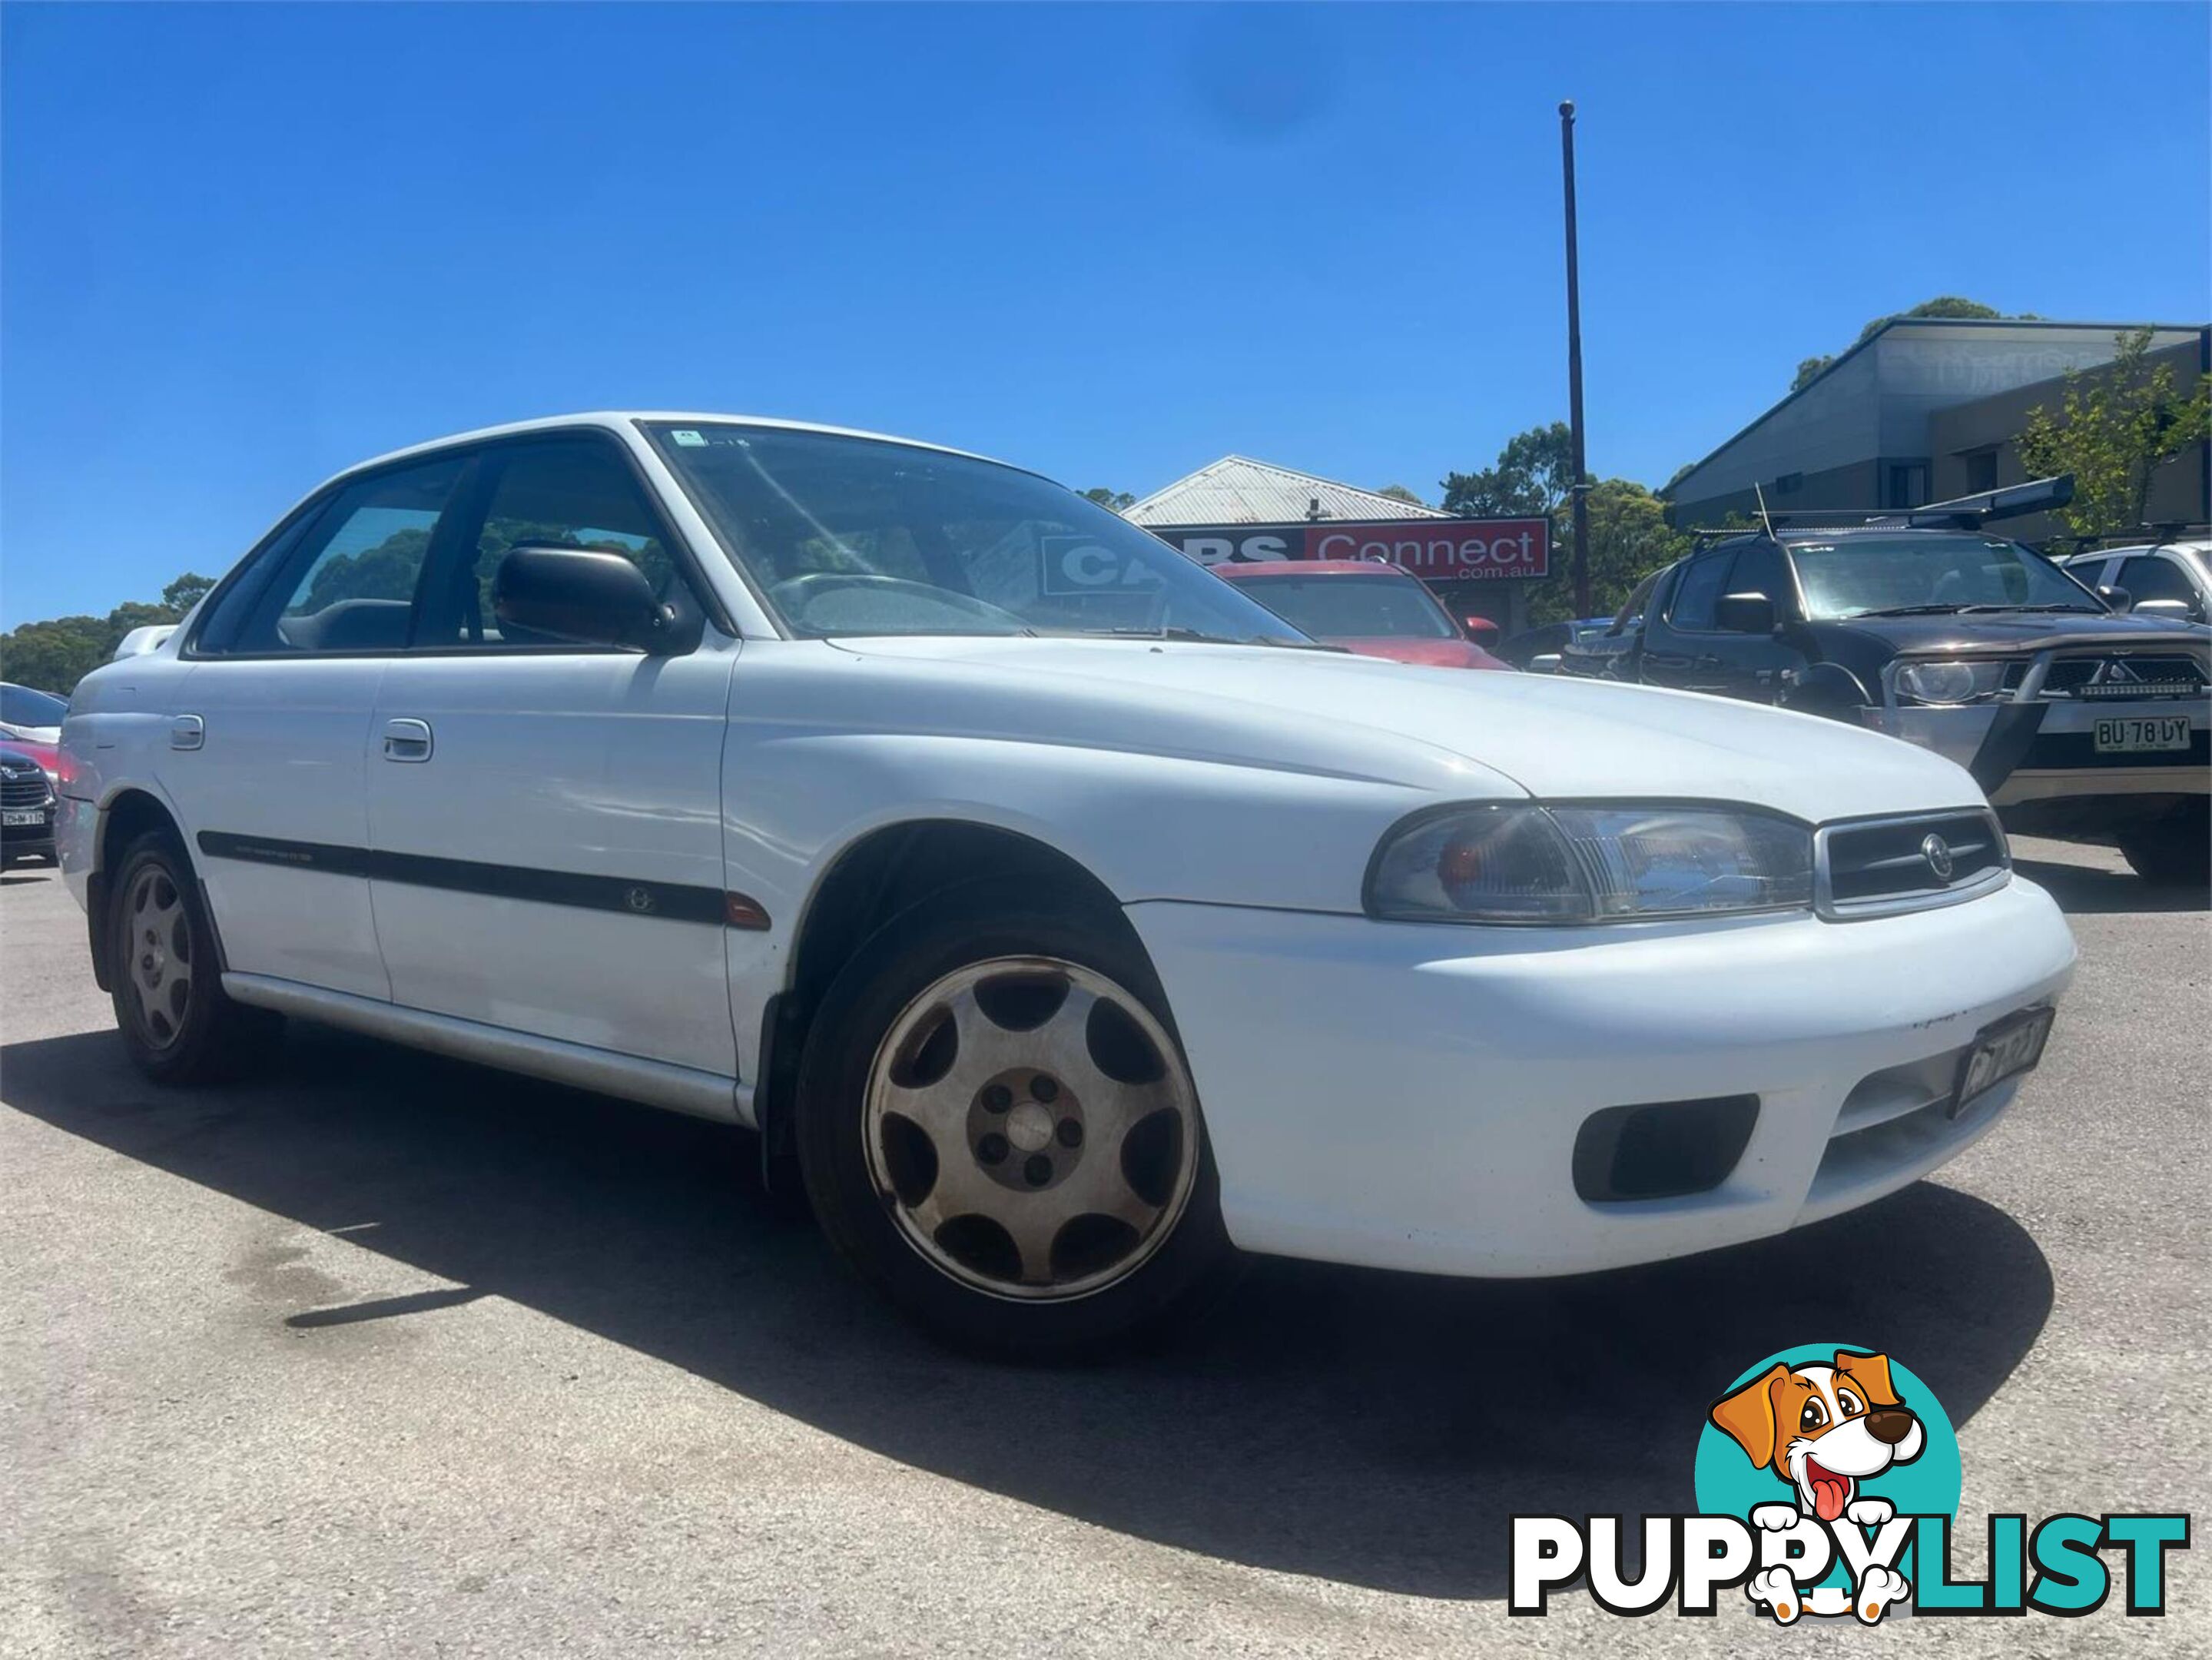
(1067, 920)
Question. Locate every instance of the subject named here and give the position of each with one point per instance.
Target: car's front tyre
(178, 1025)
(999, 1128)
(2175, 851)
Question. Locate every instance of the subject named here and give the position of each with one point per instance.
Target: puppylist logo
(1827, 1480)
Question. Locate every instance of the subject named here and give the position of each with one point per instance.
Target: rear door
(547, 817)
(268, 728)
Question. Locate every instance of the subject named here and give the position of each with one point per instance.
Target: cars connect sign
(1440, 549)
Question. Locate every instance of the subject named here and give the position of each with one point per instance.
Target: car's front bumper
(2044, 751)
(1409, 1095)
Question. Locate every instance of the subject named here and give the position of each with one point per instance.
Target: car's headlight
(1532, 864)
(1950, 682)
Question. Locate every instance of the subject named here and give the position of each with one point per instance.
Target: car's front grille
(23, 788)
(2120, 677)
(1877, 865)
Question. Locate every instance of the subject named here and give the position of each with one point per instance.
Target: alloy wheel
(1030, 1128)
(158, 940)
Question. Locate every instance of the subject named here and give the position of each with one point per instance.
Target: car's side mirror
(2119, 598)
(580, 596)
(1481, 630)
(2180, 611)
(1745, 613)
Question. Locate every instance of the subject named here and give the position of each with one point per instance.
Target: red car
(1374, 608)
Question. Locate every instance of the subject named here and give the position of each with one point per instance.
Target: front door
(269, 726)
(546, 818)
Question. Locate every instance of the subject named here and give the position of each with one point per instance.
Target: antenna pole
(1759, 495)
(1578, 493)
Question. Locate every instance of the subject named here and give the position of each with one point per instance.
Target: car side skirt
(652, 1083)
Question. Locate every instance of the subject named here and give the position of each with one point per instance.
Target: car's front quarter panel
(823, 752)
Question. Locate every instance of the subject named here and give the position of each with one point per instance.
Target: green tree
(53, 655)
(1943, 305)
(1532, 476)
(1629, 539)
(1400, 493)
(187, 590)
(1628, 535)
(1113, 500)
(2114, 428)
(1809, 371)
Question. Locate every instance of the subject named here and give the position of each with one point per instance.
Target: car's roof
(620, 420)
(1238, 570)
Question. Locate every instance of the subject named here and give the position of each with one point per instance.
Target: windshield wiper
(1911, 611)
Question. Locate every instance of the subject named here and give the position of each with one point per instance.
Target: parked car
(2169, 580)
(1373, 609)
(26, 807)
(1065, 917)
(30, 716)
(2079, 722)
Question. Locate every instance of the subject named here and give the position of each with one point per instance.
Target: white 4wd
(1071, 918)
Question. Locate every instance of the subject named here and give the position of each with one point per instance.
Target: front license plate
(2005, 1049)
(31, 816)
(2142, 734)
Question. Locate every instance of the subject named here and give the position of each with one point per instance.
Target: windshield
(859, 536)
(1877, 575)
(1379, 607)
(20, 706)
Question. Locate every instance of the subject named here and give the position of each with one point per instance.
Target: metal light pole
(1579, 493)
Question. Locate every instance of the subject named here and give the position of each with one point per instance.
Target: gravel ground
(388, 1355)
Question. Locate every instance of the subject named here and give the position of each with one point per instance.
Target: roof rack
(1960, 513)
(2157, 535)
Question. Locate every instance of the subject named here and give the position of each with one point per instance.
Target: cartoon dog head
(1823, 1429)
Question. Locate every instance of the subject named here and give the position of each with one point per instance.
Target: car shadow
(1374, 1429)
(2082, 890)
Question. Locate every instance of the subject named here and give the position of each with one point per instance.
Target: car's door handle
(407, 740)
(186, 731)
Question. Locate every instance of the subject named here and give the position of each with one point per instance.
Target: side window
(348, 583)
(565, 493)
(1699, 592)
(1760, 568)
(2154, 579)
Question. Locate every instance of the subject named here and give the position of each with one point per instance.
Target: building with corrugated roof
(1238, 508)
(1239, 490)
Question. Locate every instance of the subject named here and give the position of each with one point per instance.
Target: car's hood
(1464, 735)
(1428, 653)
(2013, 631)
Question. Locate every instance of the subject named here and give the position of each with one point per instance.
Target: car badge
(1937, 852)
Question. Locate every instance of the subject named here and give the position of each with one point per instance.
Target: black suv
(2078, 720)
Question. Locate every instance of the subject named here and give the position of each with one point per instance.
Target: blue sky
(241, 248)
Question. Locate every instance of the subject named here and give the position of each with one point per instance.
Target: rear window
(1354, 607)
(20, 706)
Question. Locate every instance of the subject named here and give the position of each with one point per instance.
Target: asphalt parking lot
(384, 1354)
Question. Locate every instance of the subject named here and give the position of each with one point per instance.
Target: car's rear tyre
(177, 1022)
(2175, 851)
(998, 1127)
